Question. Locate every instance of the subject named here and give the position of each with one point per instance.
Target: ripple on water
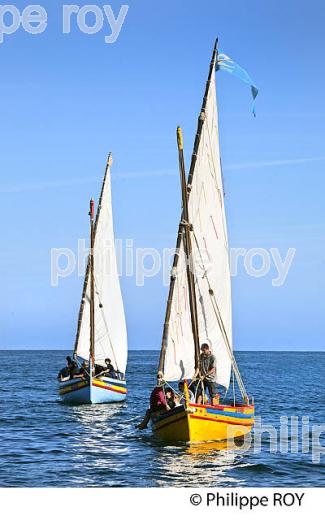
(46, 443)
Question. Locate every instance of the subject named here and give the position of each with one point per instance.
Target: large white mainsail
(110, 326)
(211, 261)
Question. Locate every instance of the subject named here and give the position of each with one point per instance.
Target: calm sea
(46, 443)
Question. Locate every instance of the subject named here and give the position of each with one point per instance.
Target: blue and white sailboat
(101, 332)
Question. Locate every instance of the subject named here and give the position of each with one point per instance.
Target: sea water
(44, 442)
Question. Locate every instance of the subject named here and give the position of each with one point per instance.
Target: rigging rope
(106, 325)
(222, 327)
(215, 169)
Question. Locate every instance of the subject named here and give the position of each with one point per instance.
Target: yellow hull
(202, 423)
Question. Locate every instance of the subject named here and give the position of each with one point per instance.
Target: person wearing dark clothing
(181, 388)
(68, 371)
(99, 369)
(109, 367)
(71, 365)
(75, 370)
(64, 374)
(70, 362)
(108, 370)
(170, 398)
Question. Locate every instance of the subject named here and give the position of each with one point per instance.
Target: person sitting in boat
(109, 368)
(171, 398)
(109, 371)
(158, 405)
(83, 371)
(99, 369)
(71, 364)
(207, 380)
(64, 374)
(181, 400)
(69, 371)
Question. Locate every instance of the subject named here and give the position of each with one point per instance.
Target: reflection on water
(210, 448)
(196, 465)
(99, 446)
(95, 416)
(46, 443)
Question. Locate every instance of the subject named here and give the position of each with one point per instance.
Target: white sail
(110, 326)
(211, 263)
(179, 359)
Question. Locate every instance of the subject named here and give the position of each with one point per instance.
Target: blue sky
(67, 100)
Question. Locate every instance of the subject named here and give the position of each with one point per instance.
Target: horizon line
(36, 349)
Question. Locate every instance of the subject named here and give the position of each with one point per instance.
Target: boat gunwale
(119, 389)
(116, 382)
(170, 413)
(80, 384)
(158, 426)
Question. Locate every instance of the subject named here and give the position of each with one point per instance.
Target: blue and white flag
(226, 63)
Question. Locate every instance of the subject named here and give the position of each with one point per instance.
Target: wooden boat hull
(202, 423)
(98, 390)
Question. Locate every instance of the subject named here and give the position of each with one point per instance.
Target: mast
(84, 289)
(179, 234)
(201, 118)
(92, 286)
(188, 250)
(104, 294)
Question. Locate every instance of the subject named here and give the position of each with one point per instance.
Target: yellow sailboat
(199, 300)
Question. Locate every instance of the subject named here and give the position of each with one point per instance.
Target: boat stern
(98, 390)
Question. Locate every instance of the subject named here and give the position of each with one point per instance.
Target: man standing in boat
(207, 376)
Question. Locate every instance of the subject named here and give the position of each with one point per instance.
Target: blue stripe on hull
(93, 395)
(237, 415)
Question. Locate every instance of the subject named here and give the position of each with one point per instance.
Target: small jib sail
(209, 318)
(110, 337)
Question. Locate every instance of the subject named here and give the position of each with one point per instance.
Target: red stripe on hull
(110, 388)
(220, 420)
